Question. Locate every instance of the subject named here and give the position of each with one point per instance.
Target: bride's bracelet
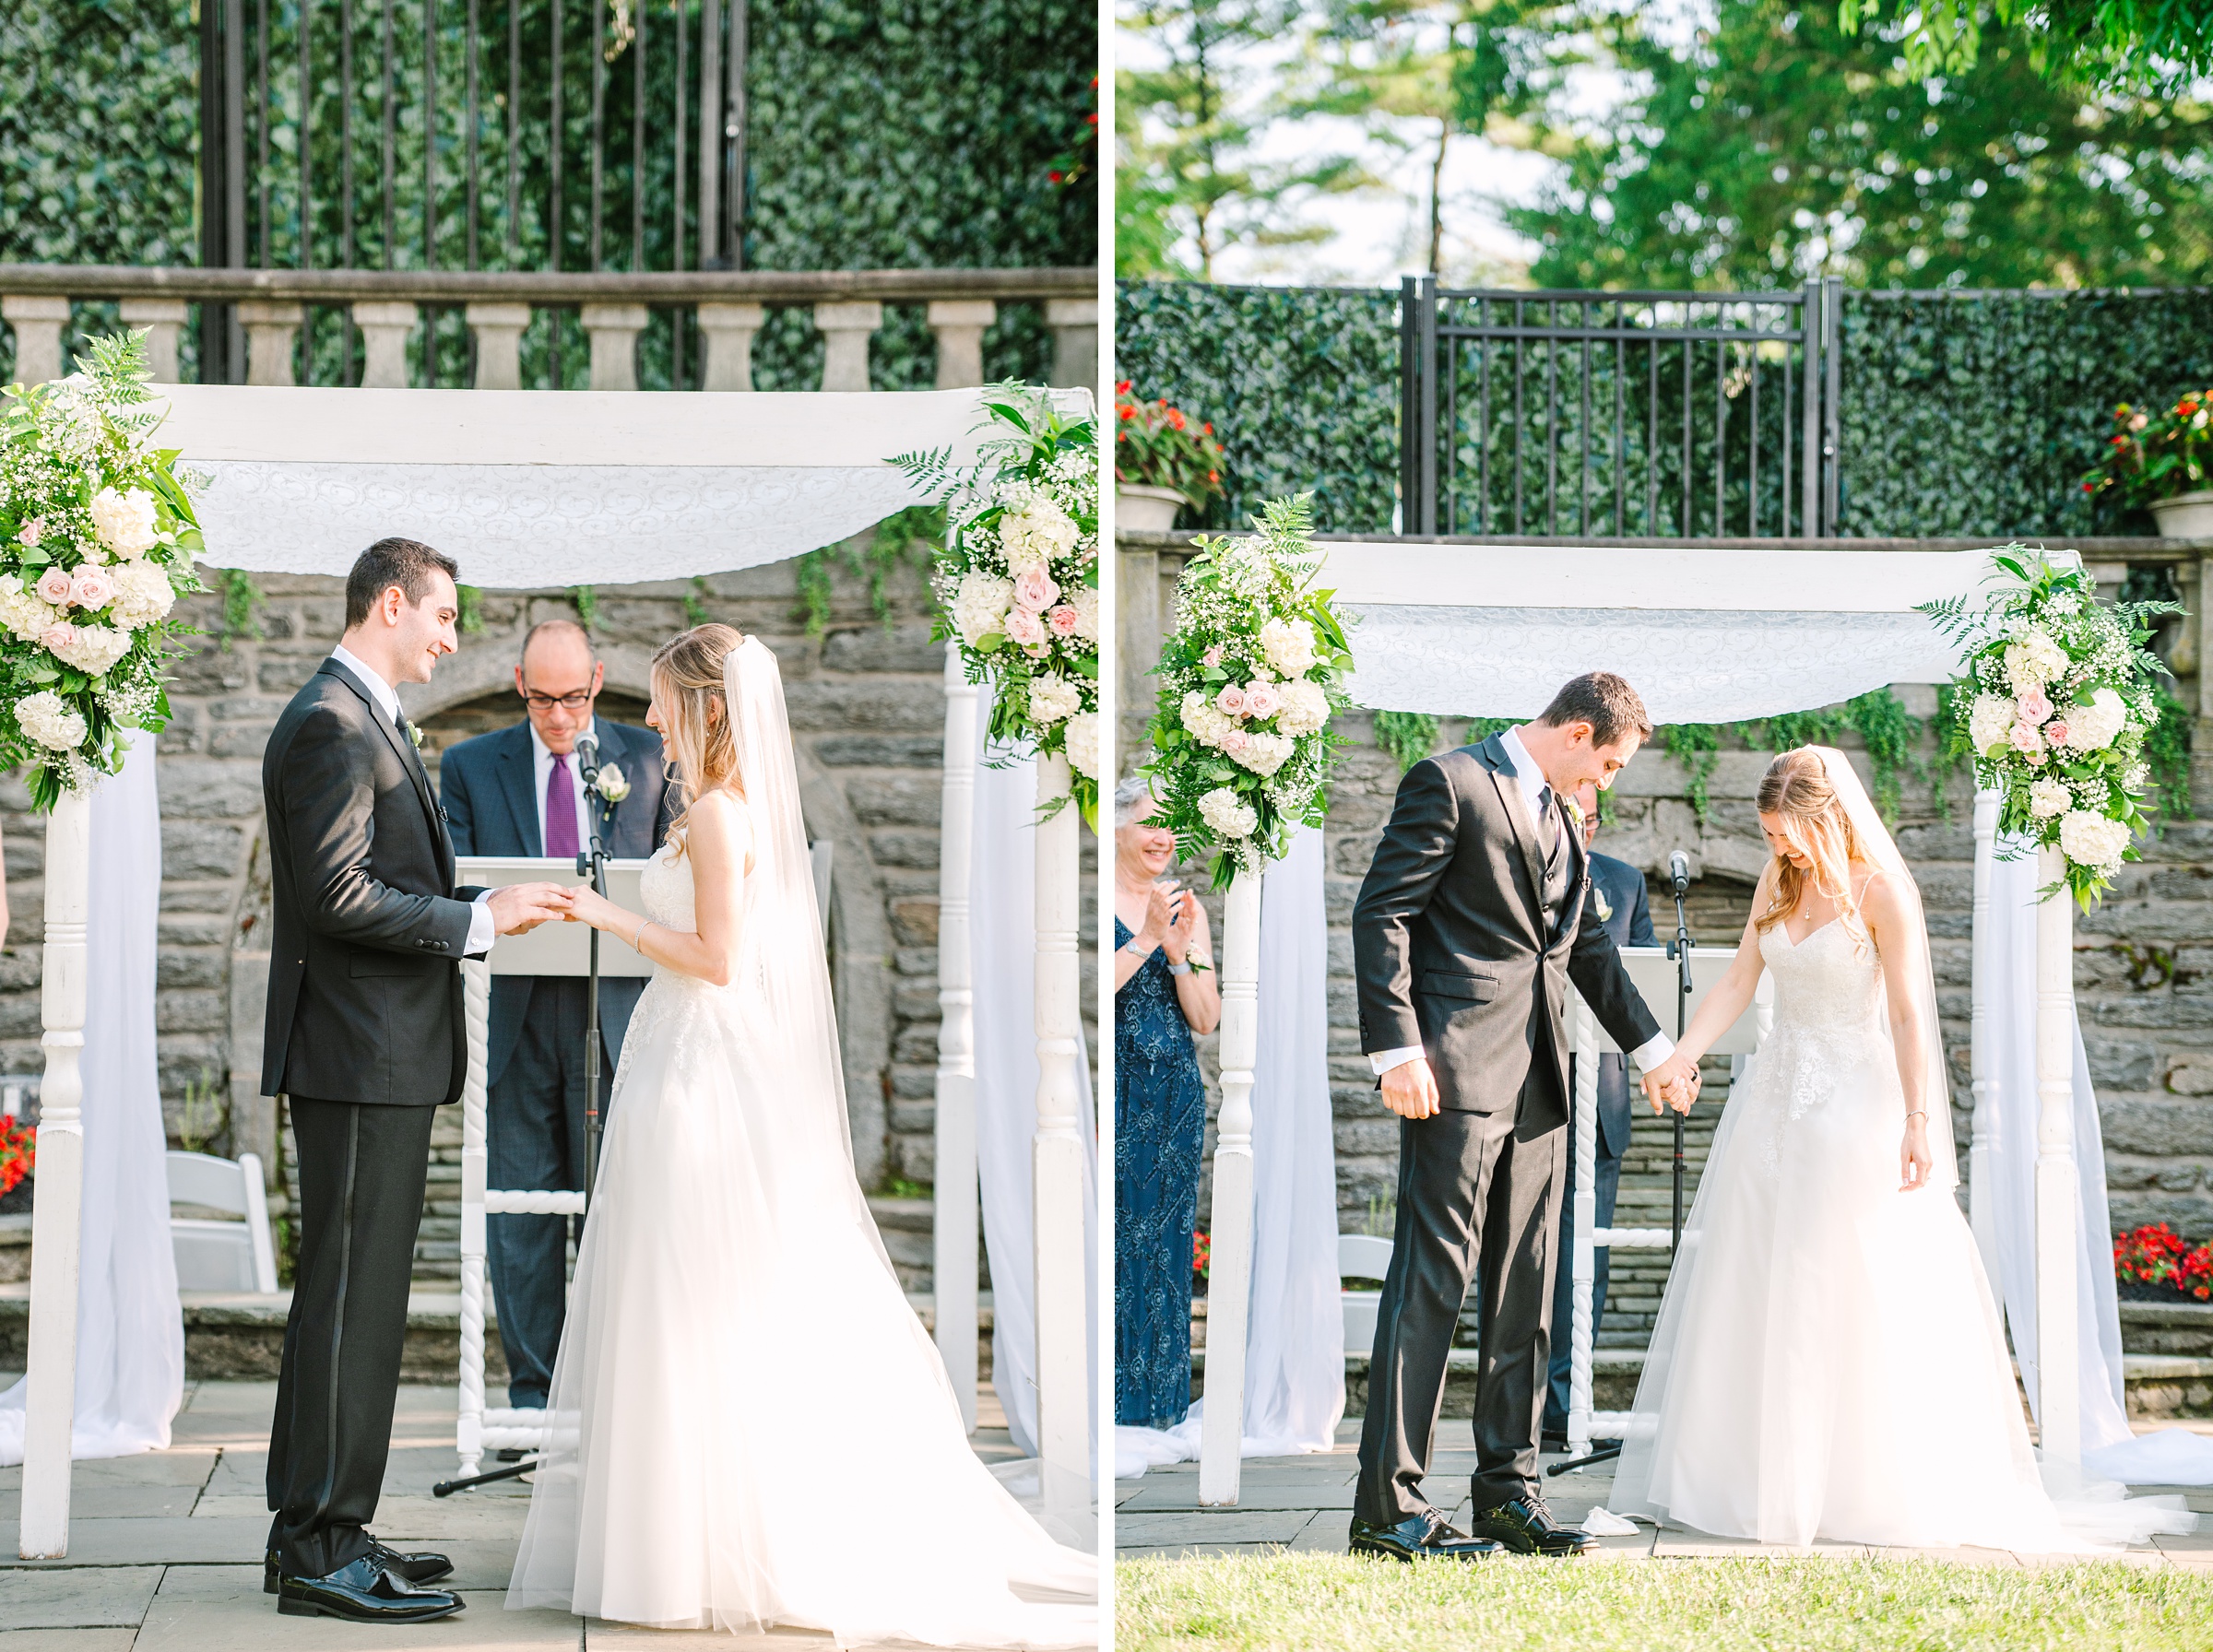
(636, 940)
(1918, 1113)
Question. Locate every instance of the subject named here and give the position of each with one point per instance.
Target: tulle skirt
(1829, 1362)
(752, 1427)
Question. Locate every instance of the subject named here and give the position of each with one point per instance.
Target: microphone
(587, 750)
(1678, 871)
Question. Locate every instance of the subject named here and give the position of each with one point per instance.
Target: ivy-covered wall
(1961, 415)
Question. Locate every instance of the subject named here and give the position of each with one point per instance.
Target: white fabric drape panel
(130, 1330)
(2111, 1448)
(1005, 932)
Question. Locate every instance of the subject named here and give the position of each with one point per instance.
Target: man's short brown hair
(1605, 701)
(403, 562)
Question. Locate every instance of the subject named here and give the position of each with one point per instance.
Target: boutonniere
(1575, 810)
(1605, 909)
(415, 734)
(611, 783)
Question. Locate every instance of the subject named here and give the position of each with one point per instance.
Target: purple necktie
(561, 811)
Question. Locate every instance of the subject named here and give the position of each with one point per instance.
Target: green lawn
(1318, 1602)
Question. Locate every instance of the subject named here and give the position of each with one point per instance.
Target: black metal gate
(1618, 415)
(504, 134)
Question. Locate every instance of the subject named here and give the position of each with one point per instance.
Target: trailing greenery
(585, 601)
(242, 607)
(470, 620)
(909, 538)
(696, 612)
(1409, 737)
(1301, 385)
(2167, 755)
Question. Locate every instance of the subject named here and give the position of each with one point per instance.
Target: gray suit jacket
(1448, 943)
(364, 989)
(491, 793)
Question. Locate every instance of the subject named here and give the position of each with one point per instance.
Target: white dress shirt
(541, 769)
(480, 931)
(1533, 786)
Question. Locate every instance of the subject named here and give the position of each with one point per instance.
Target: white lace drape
(130, 1330)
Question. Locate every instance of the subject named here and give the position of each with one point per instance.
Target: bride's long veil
(1907, 952)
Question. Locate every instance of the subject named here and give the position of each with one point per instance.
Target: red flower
(1052, 177)
(1128, 412)
(1214, 476)
(1175, 418)
(1209, 428)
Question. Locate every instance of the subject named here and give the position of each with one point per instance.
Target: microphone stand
(1679, 950)
(591, 861)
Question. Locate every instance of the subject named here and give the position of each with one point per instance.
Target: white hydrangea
(1289, 645)
(1083, 744)
(1085, 601)
(1989, 720)
(1228, 815)
(2092, 840)
(2033, 660)
(24, 614)
(1264, 753)
(980, 605)
(93, 648)
(2048, 798)
(1053, 698)
(2094, 726)
(48, 719)
(143, 594)
(124, 522)
(1305, 707)
(1204, 722)
(1032, 535)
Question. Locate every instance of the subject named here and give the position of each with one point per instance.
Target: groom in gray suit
(520, 792)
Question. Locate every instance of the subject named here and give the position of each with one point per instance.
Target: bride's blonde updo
(695, 720)
(1796, 789)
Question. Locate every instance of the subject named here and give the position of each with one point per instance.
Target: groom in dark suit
(365, 1036)
(521, 792)
(1474, 918)
(1618, 896)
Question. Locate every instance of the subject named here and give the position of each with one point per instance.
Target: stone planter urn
(1153, 510)
(2186, 515)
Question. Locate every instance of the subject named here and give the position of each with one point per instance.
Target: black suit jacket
(489, 788)
(364, 989)
(1448, 943)
(1630, 922)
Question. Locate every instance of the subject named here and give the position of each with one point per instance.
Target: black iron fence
(1619, 414)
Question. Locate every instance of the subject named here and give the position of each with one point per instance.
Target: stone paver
(1158, 1514)
(165, 1546)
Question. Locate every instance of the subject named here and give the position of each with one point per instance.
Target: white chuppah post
(51, 1399)
(1984, 1138)
(1057, 1166)
(954, 1214)
(1229, 1269)
(2058, 1375)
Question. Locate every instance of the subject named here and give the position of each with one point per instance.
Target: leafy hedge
(900, 133)
(1301, 385)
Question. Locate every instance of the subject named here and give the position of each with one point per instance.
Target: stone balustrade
(729, 308)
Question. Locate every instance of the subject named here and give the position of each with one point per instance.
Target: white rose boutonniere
(415, 733)
(611, 783)
(1606, 907)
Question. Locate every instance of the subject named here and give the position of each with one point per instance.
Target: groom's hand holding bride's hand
(1673, 1082)
(521, 907)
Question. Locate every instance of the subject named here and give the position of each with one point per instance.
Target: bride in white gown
(1829, 1362)
(750, 1427)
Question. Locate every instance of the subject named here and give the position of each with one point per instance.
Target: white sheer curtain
(1294, 1342)
(1003, 912)
(2111, 1448)
(130, 1331)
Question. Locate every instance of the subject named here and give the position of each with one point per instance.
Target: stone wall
(867, 707)
(2143, 958)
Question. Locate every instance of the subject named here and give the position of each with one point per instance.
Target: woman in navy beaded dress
(1164, 992)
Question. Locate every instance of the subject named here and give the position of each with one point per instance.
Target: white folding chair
(1361, 1257)
(221, 1256)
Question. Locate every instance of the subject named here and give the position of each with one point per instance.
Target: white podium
(1656, 979)
(549, 949)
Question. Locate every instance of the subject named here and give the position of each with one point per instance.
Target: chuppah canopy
(555, 488)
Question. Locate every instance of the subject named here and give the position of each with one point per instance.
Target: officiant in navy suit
(1617, 892)
(519, 792)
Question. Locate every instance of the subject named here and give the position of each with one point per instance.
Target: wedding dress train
(1829, 1362)
(752, 1427)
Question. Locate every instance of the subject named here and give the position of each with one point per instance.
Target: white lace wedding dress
(1829, 1362)
(752, 1428)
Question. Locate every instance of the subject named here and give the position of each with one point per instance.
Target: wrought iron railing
(1618, 414)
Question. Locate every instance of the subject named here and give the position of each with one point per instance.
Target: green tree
(1777, 144)
(1189, 131)
(2141, 44)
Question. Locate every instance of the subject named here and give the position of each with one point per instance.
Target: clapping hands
(1673, 1082)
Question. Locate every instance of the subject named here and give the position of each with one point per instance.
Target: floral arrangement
(1202, 1252)
(1018, 580)
(2058, 696)
(18, 1153)
(1249, 680)
(1155, 446)
(2157, 1255)
(97, 537)
(2153, 456)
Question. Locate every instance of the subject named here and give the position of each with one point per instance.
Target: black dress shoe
(1426, 1536)
(1526, 1527)
(511, 1453)
(367, 1591)
(418, 1568)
